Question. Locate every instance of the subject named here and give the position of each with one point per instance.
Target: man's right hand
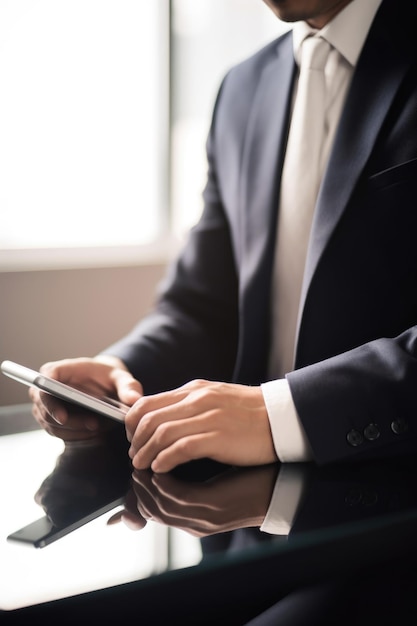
(102, 376)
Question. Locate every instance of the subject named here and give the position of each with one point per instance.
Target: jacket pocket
(394, 175)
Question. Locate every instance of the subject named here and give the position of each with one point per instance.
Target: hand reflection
(86, 475)
(237, 498)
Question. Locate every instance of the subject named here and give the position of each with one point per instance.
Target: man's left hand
(202, 419)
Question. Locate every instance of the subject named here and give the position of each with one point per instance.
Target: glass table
(202, 541)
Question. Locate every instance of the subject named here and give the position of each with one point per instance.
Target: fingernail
(59, 417)
(155, 466)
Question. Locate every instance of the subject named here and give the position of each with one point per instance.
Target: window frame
(164, 245)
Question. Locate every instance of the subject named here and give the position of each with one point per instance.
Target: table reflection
(42, 477)
(200, 513)
(270, 502)
(89, 479)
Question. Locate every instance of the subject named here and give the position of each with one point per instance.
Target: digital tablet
(43, 531)
(105, 406)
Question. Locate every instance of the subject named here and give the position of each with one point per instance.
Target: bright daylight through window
(104, 111)
(83, 91)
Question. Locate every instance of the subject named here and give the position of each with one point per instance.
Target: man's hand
(236, 498)
(225, 422)
(102, 376)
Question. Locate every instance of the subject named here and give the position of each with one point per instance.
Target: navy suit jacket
(355, 381)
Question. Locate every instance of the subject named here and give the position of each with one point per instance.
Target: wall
(53, 314)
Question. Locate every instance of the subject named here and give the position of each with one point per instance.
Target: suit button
(371, 432)
(370, 498)
(399, 426)
(353, 497)
(354, 438)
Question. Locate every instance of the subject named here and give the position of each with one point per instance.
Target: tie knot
(314, 53)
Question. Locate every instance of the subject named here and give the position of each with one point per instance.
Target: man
(350, 392)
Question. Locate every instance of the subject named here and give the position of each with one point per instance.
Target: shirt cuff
(290, 441)
(287, 495)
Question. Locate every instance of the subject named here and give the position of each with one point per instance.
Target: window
(83, 132)
(208, 37)
(104, 111)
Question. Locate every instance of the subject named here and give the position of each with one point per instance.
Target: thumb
(128, 388)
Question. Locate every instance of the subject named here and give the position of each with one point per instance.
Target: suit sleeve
(192, 332)
(361, 403)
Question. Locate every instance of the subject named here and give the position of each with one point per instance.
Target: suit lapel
(261, 159)
(379, 73)
(263, 152)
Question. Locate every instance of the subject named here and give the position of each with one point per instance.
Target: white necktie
(301, 177)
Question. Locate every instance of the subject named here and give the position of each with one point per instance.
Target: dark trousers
(385, 596)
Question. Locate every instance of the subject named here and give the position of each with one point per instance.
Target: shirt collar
(346, 32)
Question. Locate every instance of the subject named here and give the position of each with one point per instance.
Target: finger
(80, 426)
(54, 408)
(63, 371)
(146, 497)
(83, 373)
(131, 520)
(166, 434)
(128, 389)
(99, 379)
(152, 507)
(69, 371)
(72, 417)
(181, 493)
(189, 448)
(114, 519)
(38, 415)
(148, 406)
(163, 408)
(198, 393)
(48, 408)
(145, 504)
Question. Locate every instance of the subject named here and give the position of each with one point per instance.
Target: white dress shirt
(346, 33)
